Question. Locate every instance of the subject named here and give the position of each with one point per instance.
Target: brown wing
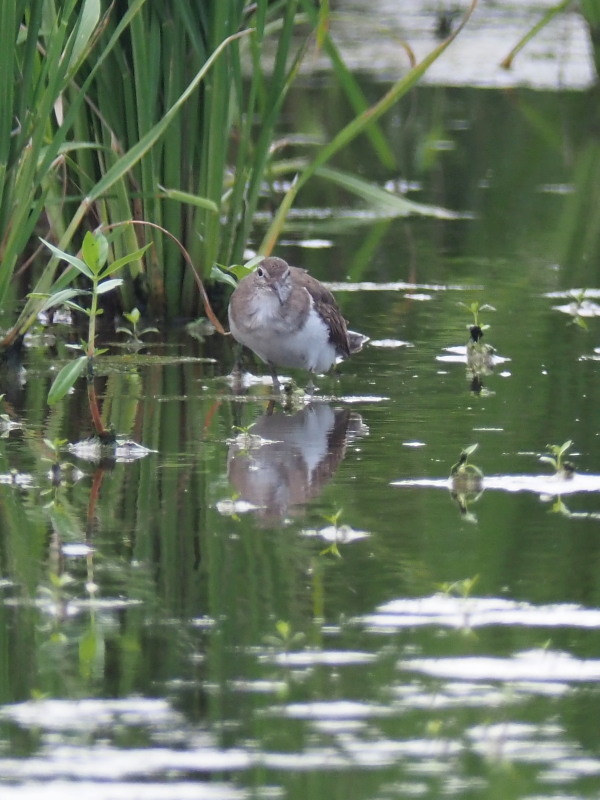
(326, 305)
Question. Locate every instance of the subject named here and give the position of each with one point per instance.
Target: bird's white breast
(267, 332)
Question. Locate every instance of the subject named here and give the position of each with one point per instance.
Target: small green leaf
(95, 251)
(77, 307)
(87, 647)
(121, 262)
(283, 628)
(241, 270)
(107, 286)
(559, 508)
(132, 316)
(580, 322)
(65, 379)
(79, 265)
(217, 274)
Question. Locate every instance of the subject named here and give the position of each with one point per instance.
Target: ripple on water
(474, 612)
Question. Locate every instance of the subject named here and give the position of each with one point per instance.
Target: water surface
(302, 602)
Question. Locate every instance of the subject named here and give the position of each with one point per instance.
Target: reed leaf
(352, 130)
(35, 148)
(351, 87)
(386, 203)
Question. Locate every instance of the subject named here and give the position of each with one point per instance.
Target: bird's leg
(276, 384)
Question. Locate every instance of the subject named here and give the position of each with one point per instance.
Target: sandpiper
(289, 319)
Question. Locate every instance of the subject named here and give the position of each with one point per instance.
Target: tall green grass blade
(347, 81)
(279, 87)
(132, 156)
(81, 36)
(38, 141)
(549, 15)
(353, 128)
(386, 203)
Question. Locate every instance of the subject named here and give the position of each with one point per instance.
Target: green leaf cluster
(94, 266)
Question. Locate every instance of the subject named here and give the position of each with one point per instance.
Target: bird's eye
(260, 272)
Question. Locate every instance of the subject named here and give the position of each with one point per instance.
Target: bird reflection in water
(288, 458)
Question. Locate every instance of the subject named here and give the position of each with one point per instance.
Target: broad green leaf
(66, 378)
(283, 628)
(79, 265)
(59, 298)
(217, 274)
(95, 251)
(87, 648)
(241, 270)
(121, 262)
(107, 286)
(66, 523)
(132, 316)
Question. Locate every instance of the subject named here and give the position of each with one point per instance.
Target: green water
(363, 631)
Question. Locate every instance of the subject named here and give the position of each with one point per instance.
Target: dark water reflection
(277, 603)
(285, 459)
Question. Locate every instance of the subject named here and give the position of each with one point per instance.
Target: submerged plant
(466, 482)
(94, 267)
(285, 638)
(462, 466)
(480, 356)
(476, 328)
(334, 521)
(557, 459)
(462, 588)
(135, 332)
(576, 310)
